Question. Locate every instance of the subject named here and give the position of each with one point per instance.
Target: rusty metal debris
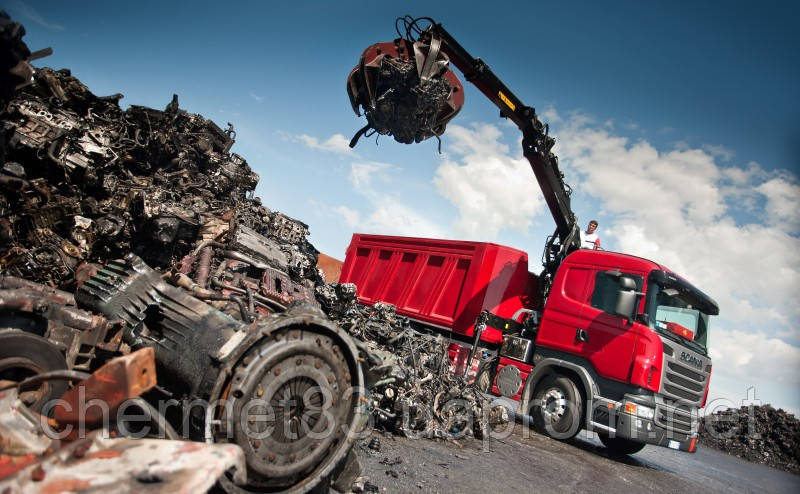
(121, 379)
(98, 464)
(34, 460)
(413, 390)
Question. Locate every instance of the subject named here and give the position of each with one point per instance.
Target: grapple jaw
(405, 90)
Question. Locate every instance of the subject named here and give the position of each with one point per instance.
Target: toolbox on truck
(441, 283)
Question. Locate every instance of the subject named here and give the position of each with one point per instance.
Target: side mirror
(627, 296)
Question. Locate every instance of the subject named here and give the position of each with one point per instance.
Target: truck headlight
(640, 410)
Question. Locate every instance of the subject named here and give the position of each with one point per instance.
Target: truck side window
(604, 296)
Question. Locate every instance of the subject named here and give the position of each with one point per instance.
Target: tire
(557, 408)
(620, 446)
(24, 355)
(483, 378)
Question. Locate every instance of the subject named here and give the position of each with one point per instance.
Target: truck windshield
(668, 305)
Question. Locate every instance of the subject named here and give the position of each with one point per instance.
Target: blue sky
(677, 122)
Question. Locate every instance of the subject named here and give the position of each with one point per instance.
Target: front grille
(680, 382)
(680, 393)
(679, 419)
(695, 386)
(685, 371)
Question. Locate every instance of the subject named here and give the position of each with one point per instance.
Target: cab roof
(634, 263)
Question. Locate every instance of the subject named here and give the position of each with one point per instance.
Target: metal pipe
(250, 305)
(203, 267)
(216, 283)
(12, 282)
(207, 243)
(232, 254)
(185, 282)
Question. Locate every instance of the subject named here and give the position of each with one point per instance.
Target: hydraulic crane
(374, 88)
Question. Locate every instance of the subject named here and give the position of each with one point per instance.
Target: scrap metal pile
(133, 229)
(93, 182)
(413, 390)
(760, 434)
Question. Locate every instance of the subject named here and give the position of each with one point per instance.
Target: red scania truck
(599, 340)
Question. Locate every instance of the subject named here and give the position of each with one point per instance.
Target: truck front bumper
(647, 431)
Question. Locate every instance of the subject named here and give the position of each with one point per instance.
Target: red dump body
(444, 283)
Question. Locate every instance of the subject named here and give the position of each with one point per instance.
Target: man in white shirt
(589, 239)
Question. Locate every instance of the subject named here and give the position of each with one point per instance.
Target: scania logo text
(691, 359)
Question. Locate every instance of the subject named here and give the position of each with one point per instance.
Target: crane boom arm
(536, 143)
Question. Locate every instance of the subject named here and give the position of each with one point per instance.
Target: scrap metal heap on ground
(123, 230)
(413, 390)
(760, 434)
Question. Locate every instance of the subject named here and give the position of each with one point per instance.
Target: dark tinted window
(606, 286)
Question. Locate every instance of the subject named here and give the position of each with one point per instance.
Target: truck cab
(635, 337)
(618, 346)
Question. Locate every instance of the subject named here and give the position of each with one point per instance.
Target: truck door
(563, 309)
(610, 339)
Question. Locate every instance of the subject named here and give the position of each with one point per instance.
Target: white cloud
(550, 115)
(754, 360)
(362, 174)
(256, 97)
(386, 214)
(783, 202)
(491, 189)
(337, 143)
(720, 152)
(389, 216)
(351, 217)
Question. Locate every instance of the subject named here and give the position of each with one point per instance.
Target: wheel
(620, 446)
(23, 355)
(557, 407)
(483, 378)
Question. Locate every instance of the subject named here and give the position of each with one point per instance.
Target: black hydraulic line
(480, 325)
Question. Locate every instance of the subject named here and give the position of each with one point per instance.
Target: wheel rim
(554, 405)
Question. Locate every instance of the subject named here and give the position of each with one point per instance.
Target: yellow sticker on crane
(506, 100)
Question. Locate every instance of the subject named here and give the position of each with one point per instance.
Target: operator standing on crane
(589, 239)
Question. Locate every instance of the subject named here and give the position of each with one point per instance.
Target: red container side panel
(445, 283)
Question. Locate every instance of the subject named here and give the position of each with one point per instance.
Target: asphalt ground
(525, 461)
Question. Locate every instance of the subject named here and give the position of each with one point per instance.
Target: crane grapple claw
(405, 89)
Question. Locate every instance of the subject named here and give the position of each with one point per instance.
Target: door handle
(581, 335)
